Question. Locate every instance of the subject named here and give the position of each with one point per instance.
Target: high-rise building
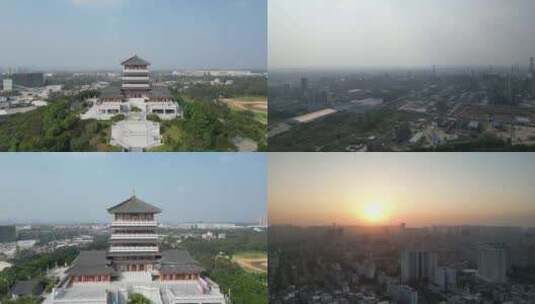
(531, 256)
(263, 221)
(532, 77)
(402, 294)
(446, 278)
(492, 262)
(8, 233)
(304, 85)
(418, 265)
(7, 85)
(29, 80)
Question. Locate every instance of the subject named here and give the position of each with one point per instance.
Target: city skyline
(344, 34)
(391, 189)
(64, 34)
(79, 187)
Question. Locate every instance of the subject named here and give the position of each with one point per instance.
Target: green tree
(137, 298)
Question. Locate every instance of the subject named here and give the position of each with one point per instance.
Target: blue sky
(78, 187)
(99, 33)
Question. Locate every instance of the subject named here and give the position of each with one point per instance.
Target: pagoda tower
(136, 81)
(133, 241)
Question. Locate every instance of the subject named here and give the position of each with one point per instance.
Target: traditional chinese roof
(134, 205)
(179, 261)
(160, 92)
(91, 263)
(111, 92)
(135, 60)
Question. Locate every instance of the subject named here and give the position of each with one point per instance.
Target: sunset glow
(389, 189)
(374, 213)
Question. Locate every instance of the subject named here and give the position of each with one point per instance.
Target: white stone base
(135, 135)
(107, 110)
(171, 292)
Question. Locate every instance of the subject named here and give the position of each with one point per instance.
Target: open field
(251, 261)
(256, 104)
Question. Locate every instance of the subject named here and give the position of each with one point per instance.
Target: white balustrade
(122, 249)
(134, 223)
(136, 85)
(134, 236)
(140, 78)
(135, 71)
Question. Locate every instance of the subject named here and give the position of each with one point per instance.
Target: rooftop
(135, 60)
(96, 263)
(27, 288)
(160, 92)
(134, 205)
(91, 263)
(179, 261)
(111, 92)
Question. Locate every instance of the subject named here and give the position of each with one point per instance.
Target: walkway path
(135, 133)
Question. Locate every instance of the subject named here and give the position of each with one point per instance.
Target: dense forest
(33, 267)
(55, 127)
(210, 126)
(251, 86)
(207, 125)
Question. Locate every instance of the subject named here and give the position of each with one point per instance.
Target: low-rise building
(31, 288)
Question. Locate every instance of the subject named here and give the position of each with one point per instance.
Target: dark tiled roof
(179, 261)
(160, 92)
(27, 288)
(91, 263)
(134, 205)
(111, 92)
(135, 60)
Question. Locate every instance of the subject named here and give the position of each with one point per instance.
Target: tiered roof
(135, 60)
(134, 205)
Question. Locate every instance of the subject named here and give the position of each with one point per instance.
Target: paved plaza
(136, 134)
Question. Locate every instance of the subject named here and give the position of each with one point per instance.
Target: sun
(374, 213)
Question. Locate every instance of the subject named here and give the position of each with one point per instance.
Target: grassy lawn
(261, 117)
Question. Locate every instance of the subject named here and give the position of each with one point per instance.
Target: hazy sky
(364, 33)
(79, 187)
(100, 33)
(414, 188)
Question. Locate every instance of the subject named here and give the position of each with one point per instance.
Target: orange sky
(414, 188)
